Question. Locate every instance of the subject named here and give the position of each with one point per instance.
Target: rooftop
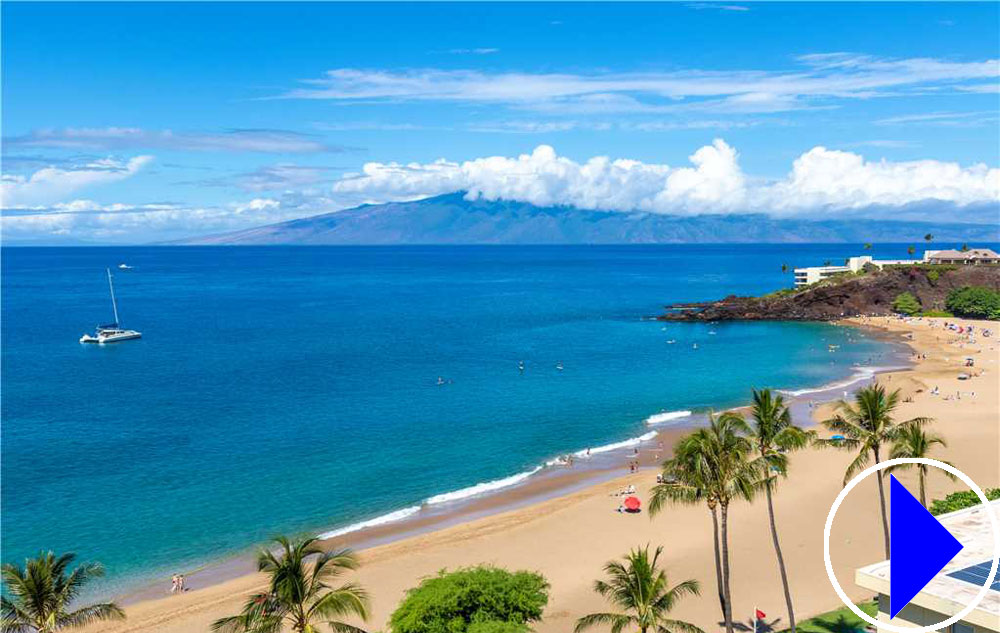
(971, 253)
(947, 593)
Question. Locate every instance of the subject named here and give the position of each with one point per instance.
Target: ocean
(307, 389)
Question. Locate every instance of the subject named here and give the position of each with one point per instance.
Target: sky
(143, 122)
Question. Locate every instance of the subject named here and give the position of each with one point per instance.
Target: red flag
(760, 614)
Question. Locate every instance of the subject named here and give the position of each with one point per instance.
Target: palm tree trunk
(781, 559)
(881, 500)
(728, 615)
(921, 477)
(718, 561)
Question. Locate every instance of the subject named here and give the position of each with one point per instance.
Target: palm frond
(616, 620)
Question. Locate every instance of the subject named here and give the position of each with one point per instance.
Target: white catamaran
(111, 332)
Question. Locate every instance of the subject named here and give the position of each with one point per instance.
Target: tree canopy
(906, 303)
(481, 599)
(974, 302)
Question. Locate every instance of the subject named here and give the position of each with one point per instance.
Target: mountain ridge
(453, 219)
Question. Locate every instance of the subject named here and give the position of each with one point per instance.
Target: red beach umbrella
(632, 503)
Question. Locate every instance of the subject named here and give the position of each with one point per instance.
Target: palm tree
(868, 246)
(784, 268)
(928, 237)
(300, 594)
(713, 465)
(773, 435)
(38, 595)
(915, 442)
(911, 250)
(640, 589)
(868, 427)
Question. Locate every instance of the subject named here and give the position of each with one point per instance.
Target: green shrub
(936, 313)
(960, 500)
(932, 275)
(974, 302)
(497, 626)
(906, 303)
(472, 600)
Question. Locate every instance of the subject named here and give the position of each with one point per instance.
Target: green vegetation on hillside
(906, 303)
(975, 302)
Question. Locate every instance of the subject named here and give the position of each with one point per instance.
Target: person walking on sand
(180, 583)
(173, 584)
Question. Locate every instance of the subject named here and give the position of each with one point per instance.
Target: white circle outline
(886, 625)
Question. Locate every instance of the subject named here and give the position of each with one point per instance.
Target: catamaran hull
(101, 340)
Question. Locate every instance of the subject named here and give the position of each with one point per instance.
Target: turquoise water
(295, 389)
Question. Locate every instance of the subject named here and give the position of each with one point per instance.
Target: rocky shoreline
(869, 292)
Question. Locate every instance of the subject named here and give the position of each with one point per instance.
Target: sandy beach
(569, 538)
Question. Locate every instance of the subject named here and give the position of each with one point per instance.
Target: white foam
(667, 416)
(398, 515)
(635, 441)
(860, 374)
(482, 488)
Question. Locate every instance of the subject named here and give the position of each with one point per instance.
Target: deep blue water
(289, 389)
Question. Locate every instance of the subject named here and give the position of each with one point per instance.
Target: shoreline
(553, 479)
(570, 539)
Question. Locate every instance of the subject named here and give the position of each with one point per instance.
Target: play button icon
(920, 547)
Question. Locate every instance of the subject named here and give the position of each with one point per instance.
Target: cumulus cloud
(815, 77)
(820, 183)
(54, 183)
(713, 182)
(123, 138)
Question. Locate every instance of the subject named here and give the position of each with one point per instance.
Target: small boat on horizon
(124, 267)
(111, 332)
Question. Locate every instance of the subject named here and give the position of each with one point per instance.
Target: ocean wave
(667, 416)
(635, 441)
(860, 373)
(482, 488)
(391, 517)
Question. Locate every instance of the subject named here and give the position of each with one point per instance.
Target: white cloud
(701, 6)
(820, 180)
(54, 183)
(943, 119)
(120, 138)
(88, 221)
(474, 51)
(815, 77)
(821, 183)
(280, 176)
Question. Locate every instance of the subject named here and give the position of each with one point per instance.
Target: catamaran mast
(114, 304)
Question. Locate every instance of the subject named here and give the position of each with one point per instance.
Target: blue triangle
(920, 547)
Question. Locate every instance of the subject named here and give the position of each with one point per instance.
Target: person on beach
(180, 583)
(173, 584)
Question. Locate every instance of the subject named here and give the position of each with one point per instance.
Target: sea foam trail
(860, 374)
(667, 416)
(482, 488)
(635, 441)
(391, 517)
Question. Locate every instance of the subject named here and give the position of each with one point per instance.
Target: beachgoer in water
(173, 584)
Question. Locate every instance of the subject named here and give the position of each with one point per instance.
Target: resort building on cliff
(970, 257)
(812, 274)
(955, 586)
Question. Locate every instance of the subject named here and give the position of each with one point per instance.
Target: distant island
(965, 288)
(454, 219)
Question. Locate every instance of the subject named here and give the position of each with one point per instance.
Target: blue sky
(139, 121)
